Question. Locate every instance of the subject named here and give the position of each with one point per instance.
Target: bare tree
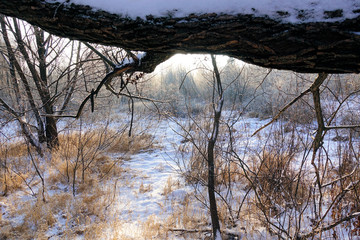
(41, 78)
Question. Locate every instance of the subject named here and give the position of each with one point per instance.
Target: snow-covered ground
(150, 189)
(152, 172)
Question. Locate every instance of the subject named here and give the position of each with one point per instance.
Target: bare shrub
(226, 172)
(347, 187)
(83, 154)
(278, 182)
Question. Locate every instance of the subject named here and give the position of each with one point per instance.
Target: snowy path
(143, 196)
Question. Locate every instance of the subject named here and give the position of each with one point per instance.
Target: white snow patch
(314, 9)
(218, 235)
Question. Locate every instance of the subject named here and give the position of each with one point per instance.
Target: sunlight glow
(192, 61)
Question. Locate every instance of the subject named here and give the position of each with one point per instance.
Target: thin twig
(342, 127)
(116, 72)
(102, 56)
(132, 111)
(189, 230)
(326, 228)
(340, 178)
(282, 111)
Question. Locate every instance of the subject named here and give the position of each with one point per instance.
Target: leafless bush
(348, 174)
(278, 182)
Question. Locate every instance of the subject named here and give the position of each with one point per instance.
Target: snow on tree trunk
(330, 45)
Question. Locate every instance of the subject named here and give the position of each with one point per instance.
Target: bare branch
(282, 111)
(102, 56)
(342, 127)
(341, 178)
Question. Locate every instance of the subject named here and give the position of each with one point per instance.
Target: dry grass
(88, 155)
(85, 153)
(105, 166)
(91, 156)
(143, 188)
(170, 186)
(11, 182)
(226, 170)
(15, 168)
(38, 217)
(14, 150)
(196, 169)
(133, 144)
(73, 143)
(81, 213)
(187, 215)
(349, 174)
(88, 152)
(152, 227)
(278, 182)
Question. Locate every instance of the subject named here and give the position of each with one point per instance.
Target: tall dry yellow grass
(91, 153)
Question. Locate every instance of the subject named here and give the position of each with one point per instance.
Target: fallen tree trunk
(332, 47)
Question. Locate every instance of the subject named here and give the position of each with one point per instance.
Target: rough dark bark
(306, 47)
(52, 139)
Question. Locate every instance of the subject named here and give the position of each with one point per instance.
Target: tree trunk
(40, 79)
(52, 139)
(211, 188)
(327, 46)
(217, 108)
